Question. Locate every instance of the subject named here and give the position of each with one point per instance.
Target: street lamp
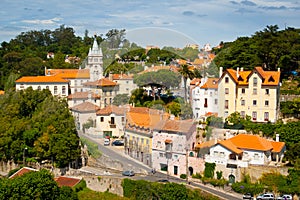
(24, 151)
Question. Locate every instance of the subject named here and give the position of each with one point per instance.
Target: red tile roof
(104, 82)
(85, 107)
(211, 83)
(122, 76)
(195, 81)
(41, 79)
(22, 171)
(182, 126)
(67, 181)
(112, 109)
(69, 73)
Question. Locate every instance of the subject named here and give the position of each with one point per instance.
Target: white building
(56, 85)
(205, 97)
(172, 142)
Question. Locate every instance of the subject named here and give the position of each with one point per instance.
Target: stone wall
(105, 183)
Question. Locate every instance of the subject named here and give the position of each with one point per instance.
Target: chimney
(110, 76)
(242, 69)
(277, 137)
(278, 69)
(237, 72)
(220, 71)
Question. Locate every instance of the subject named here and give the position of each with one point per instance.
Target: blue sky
(157, 22)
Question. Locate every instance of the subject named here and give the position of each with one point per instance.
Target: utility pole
(187, 164)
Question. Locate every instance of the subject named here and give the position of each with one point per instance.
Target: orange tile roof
(277, 146)
(206, 144)
(85, 107)
(251, 142)
(122, 76)
(112, 109)
(168, 141)
(198, 61)
(195, 81)
(182, 126)
(67, 181)
(83, 95)
(145, 117)
(69, 73)
(22, 171)
(1, 92)
(269, 78)
(41, 79)
(104, 82)
(211, 83)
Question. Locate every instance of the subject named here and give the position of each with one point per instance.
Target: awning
(168, 141)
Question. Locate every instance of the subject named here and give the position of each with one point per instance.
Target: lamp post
(24, 151)
(187, 164)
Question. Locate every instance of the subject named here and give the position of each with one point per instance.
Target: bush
(183, 176)
(197, 175)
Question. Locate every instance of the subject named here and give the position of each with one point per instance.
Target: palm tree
(186, 73)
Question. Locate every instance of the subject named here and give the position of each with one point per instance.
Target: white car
(266, 196)
(285, 197)
(106, 142)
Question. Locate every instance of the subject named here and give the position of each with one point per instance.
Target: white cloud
(43, 22)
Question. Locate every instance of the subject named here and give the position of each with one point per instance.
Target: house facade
(125, 82)
(243, 150)
(205, 97)
(254, 93)
(140, 122)
(81, 97)
(111, 121)
(56, 85)
(173, 147)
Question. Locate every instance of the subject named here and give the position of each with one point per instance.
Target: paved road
(118, 154)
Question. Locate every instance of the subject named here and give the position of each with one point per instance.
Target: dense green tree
(121, 99)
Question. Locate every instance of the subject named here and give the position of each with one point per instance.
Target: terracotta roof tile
(22, 171)
(69, 73)
(122, 76)
(195, 81)
(211, 83)
(112, 109)
(181, 126)
(251, 142)
(104, 82)
(67, 181)
(206, 144)
(41, 79)
(83, 95)
(85, 107)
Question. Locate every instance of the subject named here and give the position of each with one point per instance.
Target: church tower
(95, 62)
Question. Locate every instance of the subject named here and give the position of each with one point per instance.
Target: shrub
(197, 175)
(183, 176)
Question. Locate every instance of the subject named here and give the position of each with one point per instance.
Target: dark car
(247, 196)
(163, 181)
(128, 173)
(117, 143)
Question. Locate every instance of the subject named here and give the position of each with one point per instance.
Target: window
(161, 155)
(242, 102)
(266, 116)
(169, 147)
(267, 91)
(242, 113)
(159, 143)
(243, 90)
(254, 81)
(47, 87)
(222, 154)
(101, 119)
(254, 91)
(216, 101)
(254, 115)
(210, 94)
(123, 119)
(226, 114)
(205, 103)
(226, 104)
(254, 102)
(55, 89)
(39, 88)
(226, 80)
(63, 90)
(266, 103)
(226, 90)
(175, 156)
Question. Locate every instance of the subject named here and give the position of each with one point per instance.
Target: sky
(161, 23)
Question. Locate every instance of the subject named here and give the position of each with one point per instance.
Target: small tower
(95, 61)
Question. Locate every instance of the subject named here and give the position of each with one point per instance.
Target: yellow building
(254, 93)
(140, 122)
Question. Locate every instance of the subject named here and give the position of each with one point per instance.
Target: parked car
(163, 181)
(285, 197)
(118, 143)
(106, 142)
(128, 173)
(266, 196)
(248, 196)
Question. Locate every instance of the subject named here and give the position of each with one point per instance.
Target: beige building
(254, 93)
